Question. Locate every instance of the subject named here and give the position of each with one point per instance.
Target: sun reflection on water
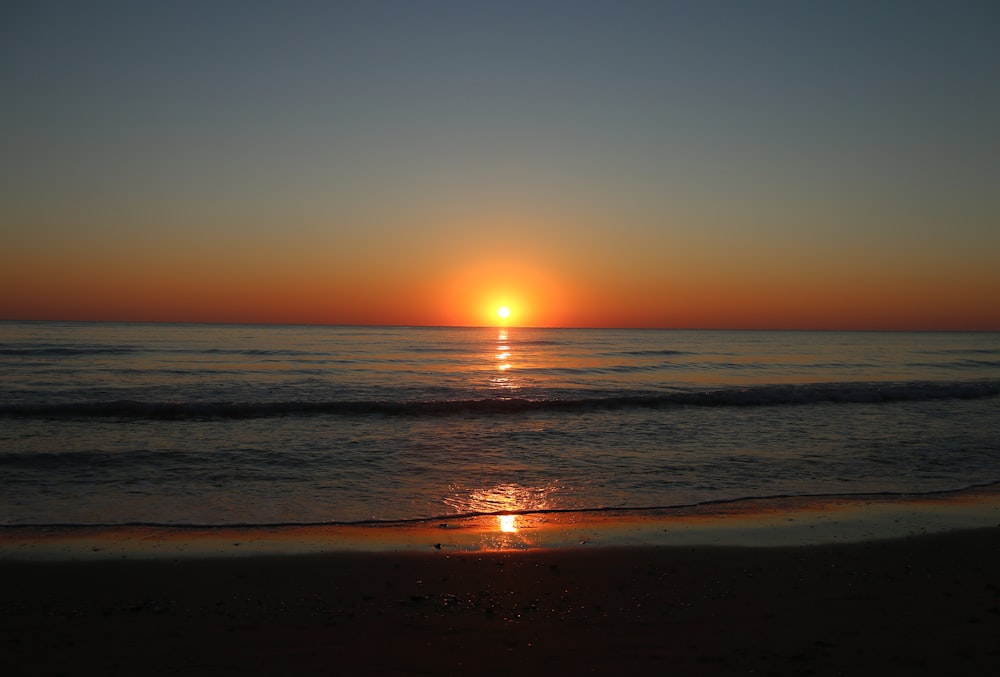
(503, 351)
(502, 356)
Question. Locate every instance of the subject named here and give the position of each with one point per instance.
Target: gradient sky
(666, 164)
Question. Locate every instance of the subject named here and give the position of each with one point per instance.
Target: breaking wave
(756, 396)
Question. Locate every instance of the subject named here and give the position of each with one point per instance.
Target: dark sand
(918, 605)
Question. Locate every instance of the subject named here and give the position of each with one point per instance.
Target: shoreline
(765, 522)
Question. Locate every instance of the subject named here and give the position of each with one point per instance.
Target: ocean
(212, 425)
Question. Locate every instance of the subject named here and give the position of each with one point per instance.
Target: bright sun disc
(503, 311)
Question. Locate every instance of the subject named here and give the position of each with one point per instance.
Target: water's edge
(776, 521)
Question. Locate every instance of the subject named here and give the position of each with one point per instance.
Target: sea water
(104, 423)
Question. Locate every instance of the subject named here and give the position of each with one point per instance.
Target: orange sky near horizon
(550, 289)
(608, 165)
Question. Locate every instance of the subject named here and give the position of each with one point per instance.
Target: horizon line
(496, 326)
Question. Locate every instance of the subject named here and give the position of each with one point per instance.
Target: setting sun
(503, 312)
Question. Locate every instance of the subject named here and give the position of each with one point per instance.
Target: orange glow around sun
(487, 293)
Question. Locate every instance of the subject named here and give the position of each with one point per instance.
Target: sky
(713, 164)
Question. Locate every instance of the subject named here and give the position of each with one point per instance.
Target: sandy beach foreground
(926, 604)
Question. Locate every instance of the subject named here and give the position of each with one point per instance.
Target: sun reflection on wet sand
(509, 513)
(507, 533)
(508, 523)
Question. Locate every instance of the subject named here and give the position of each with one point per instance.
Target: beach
(925, 604)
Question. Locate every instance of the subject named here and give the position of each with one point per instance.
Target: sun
(503, 312)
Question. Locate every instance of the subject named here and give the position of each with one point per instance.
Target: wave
(445, 520)
(766, 395)
(65, 351)
(60, 350)
(964, 351)
(967, 363)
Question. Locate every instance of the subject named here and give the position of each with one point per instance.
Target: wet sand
(925, 604)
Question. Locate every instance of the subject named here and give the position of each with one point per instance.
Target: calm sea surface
(199, 424)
